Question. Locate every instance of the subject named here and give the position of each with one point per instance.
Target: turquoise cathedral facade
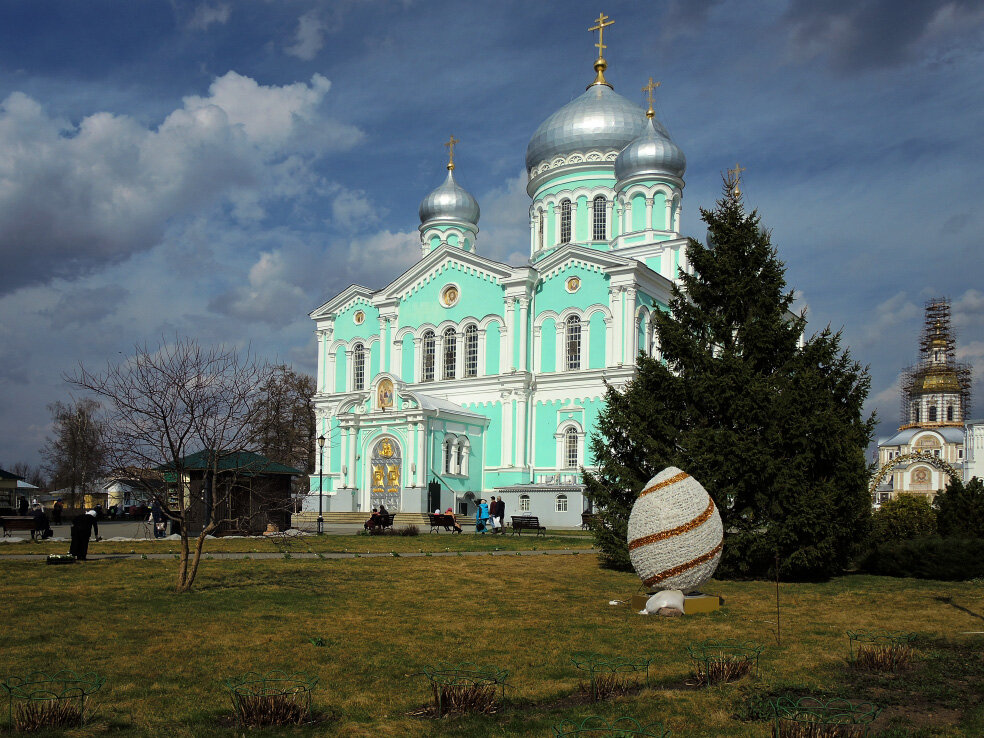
(487, 378)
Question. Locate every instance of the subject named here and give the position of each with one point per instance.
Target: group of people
(490, 515)
(377, 519)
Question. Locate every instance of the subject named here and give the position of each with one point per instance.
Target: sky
(218, 169)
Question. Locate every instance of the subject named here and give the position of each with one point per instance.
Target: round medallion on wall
(450, 295)
(573, 284)
(359, 317)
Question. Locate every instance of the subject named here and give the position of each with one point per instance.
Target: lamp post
(321, 480)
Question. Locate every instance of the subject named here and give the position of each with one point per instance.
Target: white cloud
(76, 197)
(504, 233)
(271, 294)
(352, 210)
(309, 38)
(206, 15)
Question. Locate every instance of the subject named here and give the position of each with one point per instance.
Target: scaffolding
(937, 372)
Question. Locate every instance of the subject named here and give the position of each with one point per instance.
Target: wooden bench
(385, 521)
(527, 522)
(586, 520)
(442, 521)
(17, 522)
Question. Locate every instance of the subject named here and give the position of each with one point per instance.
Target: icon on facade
(449, 296)
(360, 317)
(386, 448)
(384, 394)
(573, 284)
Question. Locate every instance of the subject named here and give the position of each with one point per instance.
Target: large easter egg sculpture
(675, 532)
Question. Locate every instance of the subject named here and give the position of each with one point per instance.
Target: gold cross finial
(734, 176)
(650, 89)
(602, 21)
(450, 144)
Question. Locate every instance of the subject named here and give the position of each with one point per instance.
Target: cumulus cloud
(968, 309)
(870, 34)
(505, 222)
(351, 210)
(271, 295)
(76, 197)
(309, 38)
(206, 15)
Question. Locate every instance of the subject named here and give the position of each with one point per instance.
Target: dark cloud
(871, 34)
(83, 307)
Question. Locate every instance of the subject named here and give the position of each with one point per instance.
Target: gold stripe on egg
(684, 567)
(680, 529)
(665, 483)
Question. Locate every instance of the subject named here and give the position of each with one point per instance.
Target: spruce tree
(770, 425)
(960, 509)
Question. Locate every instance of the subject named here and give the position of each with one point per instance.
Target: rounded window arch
(541, 226)
(572, 448)
(572, 341)
(932, 413)
(358, 367)
(565, 221)
(949, 413)
(450, 352)
(427, 348)
(471, 350)
(599, 218)
(524, 503)
(561, 501)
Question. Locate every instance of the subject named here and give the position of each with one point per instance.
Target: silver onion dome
(652, 153)
(600, 120)
(449, 202)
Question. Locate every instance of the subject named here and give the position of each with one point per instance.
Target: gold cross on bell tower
(650, 89)
(600, 65)
(734, 179)
(450, 144)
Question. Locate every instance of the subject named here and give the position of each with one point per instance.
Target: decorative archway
(385, 467)
(911, 458)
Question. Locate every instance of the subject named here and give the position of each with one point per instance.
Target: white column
(330, 378)
(524, 305)
(669, 214)
(532, 233)
(459, 354)
(507, 428)
(521, 432)
(396, 364)
(630, 323)
(537, 348)
(438, 357)
(508, 329)
(609, 343)
(384, 354)
(481, 352)
(352, 436)
(421, 432)
(649, 213)
(614, 304)
(322, 347)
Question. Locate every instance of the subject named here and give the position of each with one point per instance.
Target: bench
(586, 520)
(443, 521)
(527, 522)
(385, 521)
(17, 522)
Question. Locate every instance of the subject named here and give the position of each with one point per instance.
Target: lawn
(383, 620)
(363, 543)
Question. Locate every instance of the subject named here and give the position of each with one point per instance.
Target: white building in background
(929, 446)
(973, 450)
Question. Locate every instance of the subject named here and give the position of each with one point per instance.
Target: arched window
(932, 413)
(471, 351)
(524, 503)
(540, 227)
(561, 503)
(573, 343)
(358, 367)
(461, 463)
(599, 219)
(565, 221)
(949, 413)
(570, 448)
(427, 357)
(448, 455)
(450, 352)
(917, 413)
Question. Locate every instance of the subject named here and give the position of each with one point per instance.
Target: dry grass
(255, 711)
(895, 657)
(382, 620)
(722, 669)
(29, 717)
(811, 730)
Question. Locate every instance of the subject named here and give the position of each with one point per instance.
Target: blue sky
(218, 169)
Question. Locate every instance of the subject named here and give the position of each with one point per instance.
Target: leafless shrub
(28, 717)
(723, 668)
(895, 657)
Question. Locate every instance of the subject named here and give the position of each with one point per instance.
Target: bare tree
(75, 454)
(284, 425)
(30, 473)
(172, 403)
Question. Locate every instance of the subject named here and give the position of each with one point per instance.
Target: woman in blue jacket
(481, 516)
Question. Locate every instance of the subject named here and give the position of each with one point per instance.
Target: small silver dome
(450, 201)
(600, 119)
(652, 153)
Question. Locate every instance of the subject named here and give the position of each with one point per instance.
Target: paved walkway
(272, 555)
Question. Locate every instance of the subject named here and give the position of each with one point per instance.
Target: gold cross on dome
(651, 89)
(450, 144)
(600, 28)
(735, 175)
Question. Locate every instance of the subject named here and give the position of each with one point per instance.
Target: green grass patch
(366, 626)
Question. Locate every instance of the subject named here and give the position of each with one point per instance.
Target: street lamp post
(321, 482)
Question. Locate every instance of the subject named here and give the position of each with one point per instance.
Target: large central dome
(598, 120)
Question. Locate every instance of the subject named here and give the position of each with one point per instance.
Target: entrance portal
(385, 475)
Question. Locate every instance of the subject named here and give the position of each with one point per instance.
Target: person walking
(500, 513)
(22, 506)
(82, 528)
(482, 517)
(159, 519)
(42, 528)
(56, 511)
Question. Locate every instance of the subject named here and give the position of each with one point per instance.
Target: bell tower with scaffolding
(936, 391)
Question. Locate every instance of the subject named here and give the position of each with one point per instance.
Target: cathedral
(466, 377)
(928, 448)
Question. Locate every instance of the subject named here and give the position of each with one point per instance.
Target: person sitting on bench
(42, 527)
(374, 521)
(454, 522)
